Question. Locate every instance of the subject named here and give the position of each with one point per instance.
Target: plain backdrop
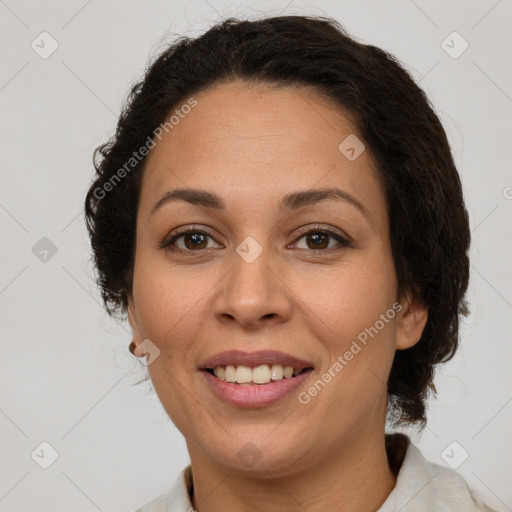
(66, 374)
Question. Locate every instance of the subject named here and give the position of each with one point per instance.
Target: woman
(280, 217)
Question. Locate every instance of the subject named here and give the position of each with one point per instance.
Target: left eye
(319, 239)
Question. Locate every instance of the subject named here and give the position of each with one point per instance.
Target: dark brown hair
(429, 227)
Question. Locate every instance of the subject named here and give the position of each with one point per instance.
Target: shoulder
(157, 505)
(425, 486)
(178, 499)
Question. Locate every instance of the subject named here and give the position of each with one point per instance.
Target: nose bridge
(251, 289)
(249, 279)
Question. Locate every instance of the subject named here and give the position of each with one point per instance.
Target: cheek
(350, 297)
(351, 311)
(170, 300)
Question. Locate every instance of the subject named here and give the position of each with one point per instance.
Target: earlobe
(410, 323)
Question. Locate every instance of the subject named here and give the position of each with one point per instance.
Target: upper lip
(252, 359)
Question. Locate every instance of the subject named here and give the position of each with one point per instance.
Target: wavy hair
(429, 226)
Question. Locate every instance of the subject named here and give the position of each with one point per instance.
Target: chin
(259, 453)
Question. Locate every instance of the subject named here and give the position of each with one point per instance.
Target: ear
(411, 321)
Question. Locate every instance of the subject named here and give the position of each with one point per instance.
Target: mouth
(254, 379)
(255, 375)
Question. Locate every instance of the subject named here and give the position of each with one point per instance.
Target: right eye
(194, 240)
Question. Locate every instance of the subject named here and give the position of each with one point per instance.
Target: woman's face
(250, 278)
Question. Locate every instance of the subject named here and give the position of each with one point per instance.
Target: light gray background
(65, 370)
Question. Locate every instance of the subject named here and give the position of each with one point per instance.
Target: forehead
(241, 138)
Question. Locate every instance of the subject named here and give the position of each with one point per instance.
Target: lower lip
(259, 395)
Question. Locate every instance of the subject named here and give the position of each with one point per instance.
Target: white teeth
(262, 374)
(276, 372)
(230, 373)
(288, 372)
(243, 374)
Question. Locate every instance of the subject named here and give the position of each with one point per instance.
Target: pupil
(315, 237)
(196, 237)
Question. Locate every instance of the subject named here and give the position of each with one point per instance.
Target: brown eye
(318, 240)
(192, 241)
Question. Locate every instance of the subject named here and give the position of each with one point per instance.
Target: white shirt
(421, 486)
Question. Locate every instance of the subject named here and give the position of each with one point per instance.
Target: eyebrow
(292, 201)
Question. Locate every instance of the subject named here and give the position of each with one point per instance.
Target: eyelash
(170, 239)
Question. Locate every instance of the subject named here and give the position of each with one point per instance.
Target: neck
(357, 478)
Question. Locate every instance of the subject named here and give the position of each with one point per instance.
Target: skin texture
(252, 144)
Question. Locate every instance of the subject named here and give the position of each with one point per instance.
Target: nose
(253, 294)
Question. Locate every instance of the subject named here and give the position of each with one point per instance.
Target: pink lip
(259, 395)
(252, 359)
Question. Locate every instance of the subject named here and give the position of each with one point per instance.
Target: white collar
(423, 486)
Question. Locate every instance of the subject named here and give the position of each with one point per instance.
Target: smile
(258, 375)
(252, 394)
